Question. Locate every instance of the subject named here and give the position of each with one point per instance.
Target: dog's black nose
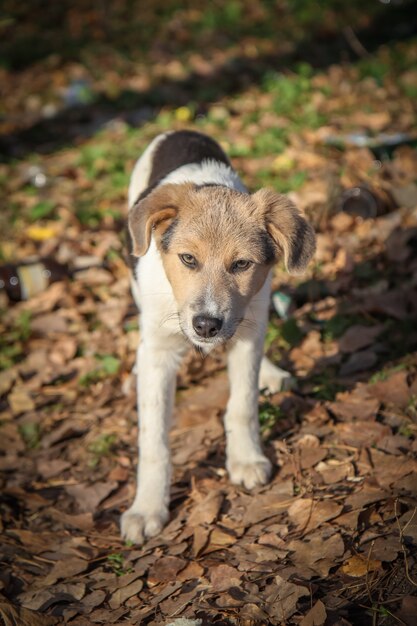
(206, 326)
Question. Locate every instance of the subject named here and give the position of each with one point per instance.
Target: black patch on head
(182, 148)
(177, 149)
(167, 236)
(268, 248)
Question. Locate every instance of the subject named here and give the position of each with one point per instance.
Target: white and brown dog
(207, 248)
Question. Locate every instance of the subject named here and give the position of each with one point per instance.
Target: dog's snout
(206, 326)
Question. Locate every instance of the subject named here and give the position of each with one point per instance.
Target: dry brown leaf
(82, 521)
(361, 434)
(358, 337)
(310, 456)
(200, 539)
(335, 471)
(359, 362)
(50, 323)
(318, 552)
(206, 511)
(20, 400)
(266, 505)
(358, 566)
(11, 615)
(308, 514)
(316, 616)
(66, 569)
(192, 570)
(7, 379)
(390, 469)
(253, 613)
(88, 497)
(93, 600)
(367, 494)
(42, 598)
(223, 577)
(283, 597)
(48, 468)
(165, 570)
(66, 430)
(219, 539)
(122, 594)
(393, 390)
(386, 549)
(357, 404)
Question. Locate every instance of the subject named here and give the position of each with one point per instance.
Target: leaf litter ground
(332, 539)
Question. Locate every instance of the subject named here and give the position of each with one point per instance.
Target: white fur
(159, 354)
(207, 172)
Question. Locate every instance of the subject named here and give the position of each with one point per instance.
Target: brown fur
(219, 226)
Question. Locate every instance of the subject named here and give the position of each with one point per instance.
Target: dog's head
(217, 246)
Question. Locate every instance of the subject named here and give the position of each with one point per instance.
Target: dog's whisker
(169, 317)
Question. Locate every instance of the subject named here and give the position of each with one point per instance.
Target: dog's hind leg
(273, 378)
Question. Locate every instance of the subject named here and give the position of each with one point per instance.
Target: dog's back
(168, 153)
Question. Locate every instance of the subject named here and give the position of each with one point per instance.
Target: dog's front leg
(156, 389)
(246, 463)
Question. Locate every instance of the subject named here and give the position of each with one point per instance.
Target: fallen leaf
(283, 597)
(335, 471)
(361, 434)
(88, 497)
(20, 400)
(358, 566)
(192, 570)
(386, 549)
(357, 404)
(316, 616)
(42, 598)
(11, 615)
(200, 539)
(165, 570)
(49, 323)
(253, 613)
(92, 600)
(390, 469)
(7, 379)
(392, 391)
(223, 577)
(359, 362)
(66, 569)
(52, 467)
(318, 552)
(308, 514)
(358, 337)
(206, 511)
(120, 596)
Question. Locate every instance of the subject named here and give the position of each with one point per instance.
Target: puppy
(206, 249)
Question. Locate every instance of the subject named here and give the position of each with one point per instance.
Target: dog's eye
(241, 265)
(188, 260)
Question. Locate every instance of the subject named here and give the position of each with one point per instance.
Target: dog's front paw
(250, 474)
(273, 378)
(137, 526)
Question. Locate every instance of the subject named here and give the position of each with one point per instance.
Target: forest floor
(333, 538)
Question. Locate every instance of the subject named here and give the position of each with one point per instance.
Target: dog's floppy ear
(160, 207)
(291, 233)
